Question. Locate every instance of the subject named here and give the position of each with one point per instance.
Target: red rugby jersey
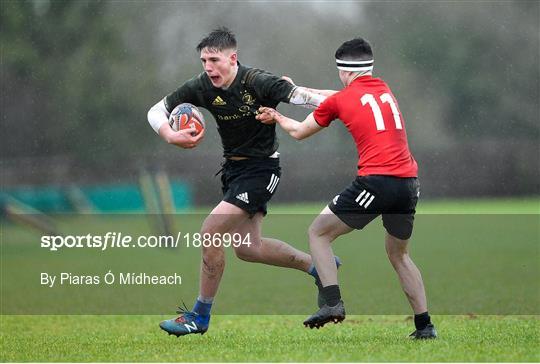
(370, 112)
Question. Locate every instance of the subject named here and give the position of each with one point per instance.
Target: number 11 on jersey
(376, 110)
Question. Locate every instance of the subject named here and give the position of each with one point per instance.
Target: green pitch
(267, 339)
(481, 273)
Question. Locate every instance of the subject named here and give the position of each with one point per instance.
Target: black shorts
(370, 196)
(250, 183)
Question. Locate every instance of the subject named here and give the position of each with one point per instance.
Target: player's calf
(313, 272)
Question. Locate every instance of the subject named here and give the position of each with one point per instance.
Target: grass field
(267, 339)
(481, 274)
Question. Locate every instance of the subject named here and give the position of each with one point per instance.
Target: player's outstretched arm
(304, 97)
(325, 93)
(296, 129)
(158, 117)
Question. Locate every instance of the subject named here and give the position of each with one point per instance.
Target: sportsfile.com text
(121, 240)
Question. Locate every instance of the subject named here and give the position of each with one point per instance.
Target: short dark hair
(354, 49)
(218, 40)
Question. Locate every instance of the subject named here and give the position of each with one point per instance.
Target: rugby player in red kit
(386, 183)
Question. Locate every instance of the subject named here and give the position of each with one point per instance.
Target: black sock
(422, 320)
(331, 295)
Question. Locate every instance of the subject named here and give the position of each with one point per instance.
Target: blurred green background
(78, 77)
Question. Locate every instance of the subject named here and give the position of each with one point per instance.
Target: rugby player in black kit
(233, 93)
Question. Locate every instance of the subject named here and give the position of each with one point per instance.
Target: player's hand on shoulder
(267, 115)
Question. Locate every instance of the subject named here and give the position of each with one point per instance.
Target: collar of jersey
(362, 78)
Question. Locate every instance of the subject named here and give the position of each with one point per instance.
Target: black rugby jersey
(234, 109)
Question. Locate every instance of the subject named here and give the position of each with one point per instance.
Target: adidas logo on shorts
(243, 197)
(364, 199)
(273, 183)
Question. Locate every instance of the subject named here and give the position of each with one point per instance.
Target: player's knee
(396, 257)
(396, 249)
(213, 255)
(246, 254)
(317, 231)
(314, 231)
(216, 225)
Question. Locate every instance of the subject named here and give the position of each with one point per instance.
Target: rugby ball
(187, 116)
